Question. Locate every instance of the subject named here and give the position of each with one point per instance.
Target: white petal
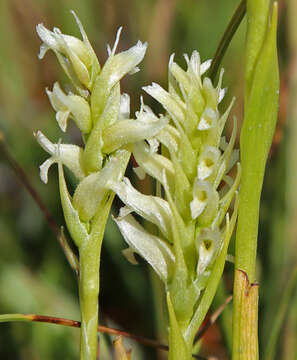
(74, 104)
(69, 155)
(166, 100)
(170, 137)
(207, 243)
(131, 131)
(205, 66)
(48, 37)
(153, 164)
(205, 202)
(181, 76)
(54, 100)
(197, 206)
(62, 119)
(208, 119)
(124, 62)
(124, 211)
(124, 107)
(207, 162)
(44, 142)
(222, 94)
(44, 168)
(195, 63)
(150, 247)
(43, 50)
(151, 208)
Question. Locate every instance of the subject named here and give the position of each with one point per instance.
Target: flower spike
(192, 166)
(102, 114)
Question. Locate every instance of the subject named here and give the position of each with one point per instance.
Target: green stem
(178, 348)
(88, 293)
(226, 39)
(89, 257)
(261, 105)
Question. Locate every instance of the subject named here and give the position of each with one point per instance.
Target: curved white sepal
(67, 154)
(166, 100)
(153, 164)
(154, 250)
(151, 208)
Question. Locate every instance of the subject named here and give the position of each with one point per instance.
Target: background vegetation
(34, 275)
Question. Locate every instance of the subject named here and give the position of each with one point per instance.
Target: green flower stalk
(192, 168)
(102, 114)
(261, 108)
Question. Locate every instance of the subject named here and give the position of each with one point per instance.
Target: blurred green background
(34, 275)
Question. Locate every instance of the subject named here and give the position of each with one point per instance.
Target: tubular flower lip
(193, 215)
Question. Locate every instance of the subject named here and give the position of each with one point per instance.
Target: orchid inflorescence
(183, 150)
(192, 169)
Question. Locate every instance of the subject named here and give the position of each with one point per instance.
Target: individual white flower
(208, 242)
(76, 56)
(68, 154)
(70, 106)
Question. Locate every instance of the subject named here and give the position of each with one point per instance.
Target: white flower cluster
(183, 150)
(191, 160)
(101, 113)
